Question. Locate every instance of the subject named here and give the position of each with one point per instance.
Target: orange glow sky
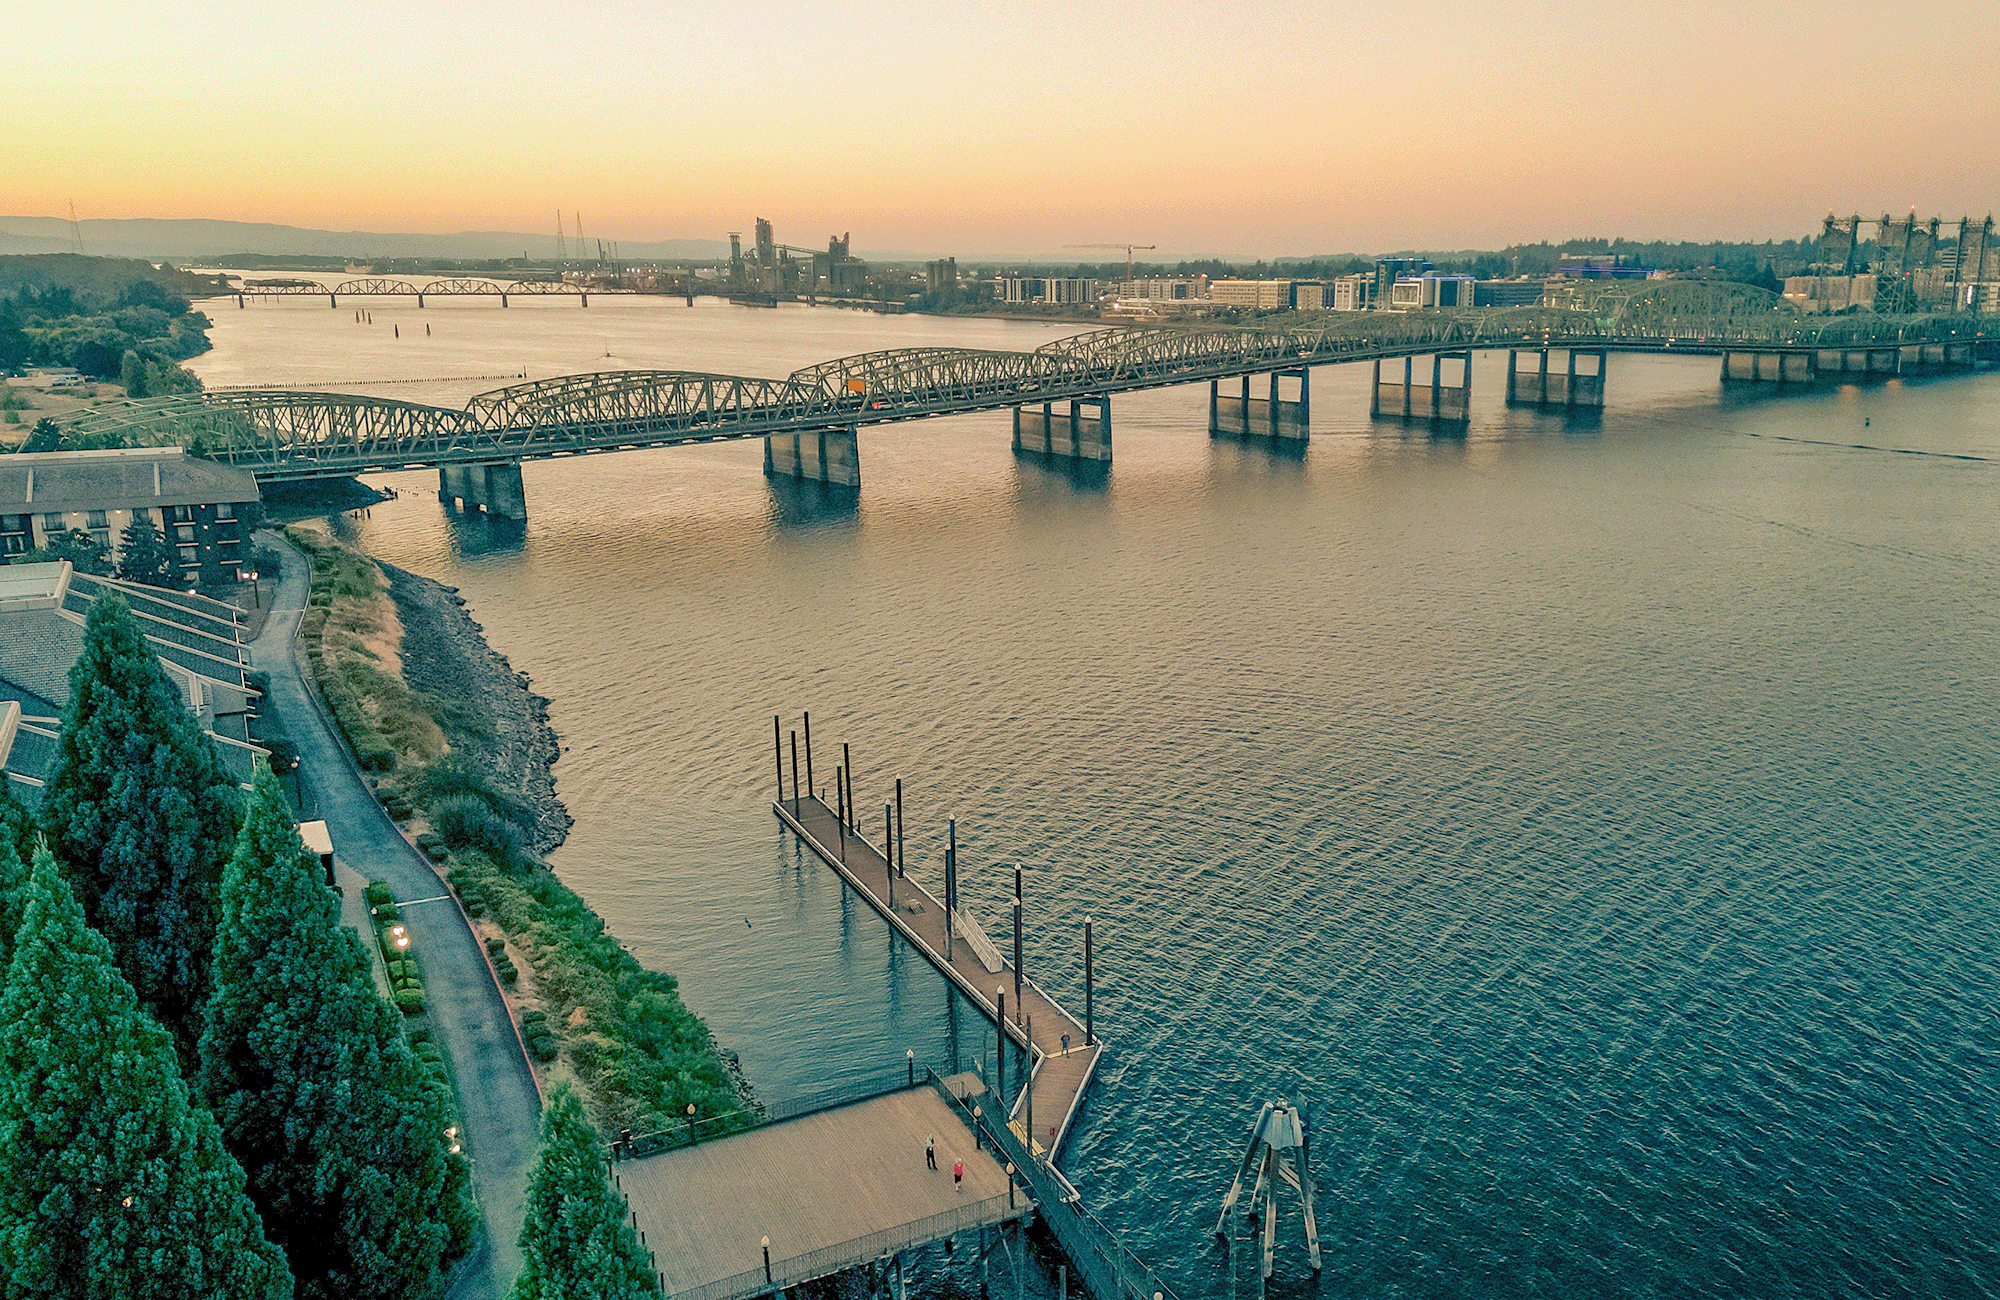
(978, 128)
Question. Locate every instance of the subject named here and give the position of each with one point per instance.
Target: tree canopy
(16, 850)
(576, 1243)
(140, 811)
(145, 555)
(346, 1138)
(112, 1182)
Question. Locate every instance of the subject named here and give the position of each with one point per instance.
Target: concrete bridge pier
(1777, 367)
(493, 488)
(831, 456)
(1083, 433)
(1436, 401)
(1244, 416)
(1569, 388)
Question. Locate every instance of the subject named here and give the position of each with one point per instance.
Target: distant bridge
(809, 418)
(385, 287)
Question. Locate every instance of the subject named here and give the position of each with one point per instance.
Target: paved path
(831, 1190)
(1059, 1076)
(468, 1017)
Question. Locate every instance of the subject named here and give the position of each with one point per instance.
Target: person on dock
(958, 1175)
(930, 1151)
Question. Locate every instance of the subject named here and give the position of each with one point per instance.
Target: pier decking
(831, 1190)
(1042, 1112)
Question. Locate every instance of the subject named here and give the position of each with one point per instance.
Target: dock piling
(1017, 937)
(778, 753)
(795, 774)
(847, 766)
(899, 825)
(1089, 988)
(889, 848)
(809, 756)
(950, 884)
(1000, 1048)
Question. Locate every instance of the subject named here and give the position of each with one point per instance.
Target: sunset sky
(1009, 128)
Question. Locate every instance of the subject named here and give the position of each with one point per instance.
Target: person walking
(930, 1151)
(958, 1175)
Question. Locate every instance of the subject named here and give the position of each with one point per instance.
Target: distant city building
(1051, 290)
(837, 271)
(1414, 292)
(204, 509)
(1390, 269)
(941, 275)
(1311, 295)
(1600, 266)
(1508, 293)
(1251, 293)
(1163, 289)
(43, 609)
(1350, 293)
(1813, 294)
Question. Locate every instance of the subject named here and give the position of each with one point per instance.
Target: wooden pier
(755, 1212)
(1041, 1113)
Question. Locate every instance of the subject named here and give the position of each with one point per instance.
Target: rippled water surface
(1595, 821)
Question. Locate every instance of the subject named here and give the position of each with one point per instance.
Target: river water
(1594, 820)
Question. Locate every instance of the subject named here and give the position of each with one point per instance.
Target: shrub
(495, 946)
(534, 1016)
(468, 822)
(509, 972)
(410, 1001)
(418, 1036)
(543, 1048)
(378, 892)
(385, 912)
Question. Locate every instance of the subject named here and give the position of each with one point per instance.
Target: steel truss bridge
(386, 287)
(288, 435)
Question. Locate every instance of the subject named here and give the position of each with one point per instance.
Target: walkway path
(1059, 1076)
(468, 1017)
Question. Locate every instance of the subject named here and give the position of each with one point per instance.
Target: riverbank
(460, 752)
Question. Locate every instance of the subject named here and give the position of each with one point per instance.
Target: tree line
(201, 1092)
(111, 318)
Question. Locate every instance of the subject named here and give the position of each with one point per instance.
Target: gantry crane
(1128, 253)
(1279, 1150)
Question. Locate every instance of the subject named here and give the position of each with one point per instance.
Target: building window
(225, 511)
(97, 520)
(102, 536)
(183, 514)
(52, 523)
(184, 532)
(13, 545)
(190, 557)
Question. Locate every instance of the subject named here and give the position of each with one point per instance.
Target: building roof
(124, 479)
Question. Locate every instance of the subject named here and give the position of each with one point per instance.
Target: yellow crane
(1128, 253)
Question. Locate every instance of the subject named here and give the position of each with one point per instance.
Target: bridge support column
(1275, 418)
(493, 488)
(1570, 388)
(819, 456)
(1775, 367)
(1437, 402)
(1081, 433)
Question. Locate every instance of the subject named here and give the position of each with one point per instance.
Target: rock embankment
(445, 655)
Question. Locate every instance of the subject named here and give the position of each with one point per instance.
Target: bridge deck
(831, 1190)
(1059, 1077)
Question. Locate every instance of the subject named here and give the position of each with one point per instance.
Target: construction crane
(1128, 253)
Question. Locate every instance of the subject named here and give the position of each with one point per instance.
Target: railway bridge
(389, 287)
(1060, 393)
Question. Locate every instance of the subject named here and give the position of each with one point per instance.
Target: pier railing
(1105, 1265)
(762, 1111)
(861, 1250)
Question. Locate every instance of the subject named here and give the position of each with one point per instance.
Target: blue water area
(1593, 819)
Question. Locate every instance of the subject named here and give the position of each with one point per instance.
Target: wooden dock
(1041, 1113)
(830, 1191)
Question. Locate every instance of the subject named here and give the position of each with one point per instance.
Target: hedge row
(406, 978)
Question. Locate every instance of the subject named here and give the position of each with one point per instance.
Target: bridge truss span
(290, 435)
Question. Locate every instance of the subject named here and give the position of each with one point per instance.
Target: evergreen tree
(577, 1243)
(47, 435)
(112, 1182)
(82, 550)
(132, 374)
(145, 555)
(140, 811)
(342, 1132)
(15, 853)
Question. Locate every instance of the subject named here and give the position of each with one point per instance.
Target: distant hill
(195, 240)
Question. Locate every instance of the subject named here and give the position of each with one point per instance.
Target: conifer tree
(145, 555)
(577, 1243)
(343, 1133)
(112, 1183)
(140, 811)
(15, 853)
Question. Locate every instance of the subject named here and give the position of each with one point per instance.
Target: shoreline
(446, 654)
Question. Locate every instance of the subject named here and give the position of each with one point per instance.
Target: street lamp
(257, 591)
(690, 1123)
(767, 1264)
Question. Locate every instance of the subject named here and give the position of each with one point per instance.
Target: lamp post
(690, 1123)
(767, 1265)
(256, 591)
(910, 1059)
